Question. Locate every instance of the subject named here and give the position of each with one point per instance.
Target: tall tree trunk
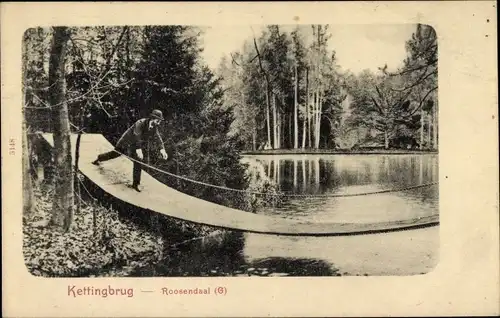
(275, 140)
(304, 131)
(28, 196)
(280, 128)
(316, 126)
(313, 119)
(315, 114)
(434, 126)
(268, 88)
(75, 175)
(318, 89)
(308, 104)
(304, 127)
(129, 73)
(295, 119)
(422, 118)
(268, 119)
(62, 208)
(316, 111)
(429, 127)
(127, 54)
(318, 119)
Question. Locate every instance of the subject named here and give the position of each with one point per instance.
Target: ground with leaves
(111, 245)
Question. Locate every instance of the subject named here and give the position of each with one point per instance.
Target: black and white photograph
(284, 150)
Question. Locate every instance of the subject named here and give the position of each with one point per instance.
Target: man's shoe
(136, 187)
(95, 162)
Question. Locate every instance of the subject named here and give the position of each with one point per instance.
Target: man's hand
(139, 154)
(164, 154)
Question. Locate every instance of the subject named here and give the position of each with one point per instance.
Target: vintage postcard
(250, 159)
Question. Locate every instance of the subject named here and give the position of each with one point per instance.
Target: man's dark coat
(139, 135)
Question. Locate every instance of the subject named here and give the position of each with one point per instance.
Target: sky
(357, 47)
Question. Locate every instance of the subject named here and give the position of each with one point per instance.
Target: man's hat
(157, 114)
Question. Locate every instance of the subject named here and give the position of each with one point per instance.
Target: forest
(281, 90)
(287, 90)
(101, 80)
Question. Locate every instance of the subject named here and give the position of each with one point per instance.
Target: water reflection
(226, 254)
(230, 253)
(351, 174)
(327, 174)
(239, 254)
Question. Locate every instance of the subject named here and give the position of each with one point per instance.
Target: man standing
(136, 138)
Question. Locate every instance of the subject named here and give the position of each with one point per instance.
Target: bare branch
(115, 47)
(85, 40)
(234, 61)
(421, 102)
(417, 82)
(90, 90)
(43, 89)
(115, 85)
(76, 49)
(376, 104)
(425, 97)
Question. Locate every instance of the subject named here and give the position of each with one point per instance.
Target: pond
(320, 186)
(412, 252)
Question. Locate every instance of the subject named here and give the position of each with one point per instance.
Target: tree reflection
(282, 266)
(222, 255)
(215, 255)
(320, 175)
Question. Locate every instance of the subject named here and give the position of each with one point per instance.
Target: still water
(323, 178)
(227, 253)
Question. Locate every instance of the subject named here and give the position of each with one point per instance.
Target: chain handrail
(275, 194)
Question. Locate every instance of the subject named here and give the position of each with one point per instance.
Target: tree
(299, 65)
(378, 107)
(287, 86)
(420, 70)
(268, 89)
(243, 94)
(325, 87)
(28, 196)
(62, 210)
(279, 61)
(320, 66)
(306, 135)
(419, 77)
(115, 75)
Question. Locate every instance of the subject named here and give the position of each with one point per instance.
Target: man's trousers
(115, 154)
